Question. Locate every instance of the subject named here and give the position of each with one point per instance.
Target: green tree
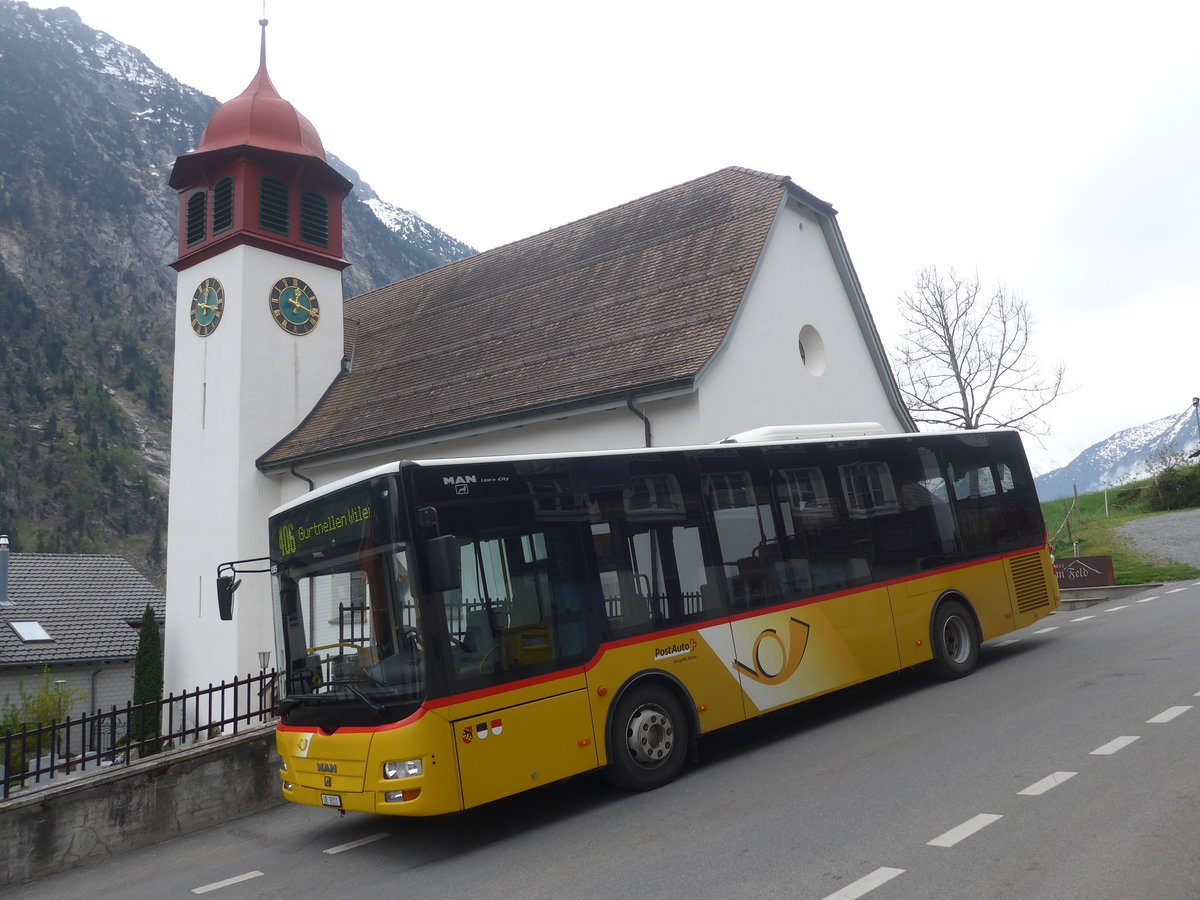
(147, 682)
(51, 702)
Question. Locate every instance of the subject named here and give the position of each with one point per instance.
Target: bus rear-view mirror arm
(227, 584)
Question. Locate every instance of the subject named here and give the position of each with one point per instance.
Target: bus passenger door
(506, 751)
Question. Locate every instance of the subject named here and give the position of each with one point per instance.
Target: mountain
(89, 131)
(1122, 457)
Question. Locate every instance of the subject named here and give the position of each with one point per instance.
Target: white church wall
(603, 430)
(760, 377)
(236, 391)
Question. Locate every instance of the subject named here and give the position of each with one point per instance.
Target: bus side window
(745, 536)
(651, 558)
(826, 546)
(979, 508)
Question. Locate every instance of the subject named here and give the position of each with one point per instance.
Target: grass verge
(1093, 530)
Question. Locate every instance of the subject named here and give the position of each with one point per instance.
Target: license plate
(331, 800)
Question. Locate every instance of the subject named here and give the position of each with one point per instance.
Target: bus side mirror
(444, 563)
(225, 588)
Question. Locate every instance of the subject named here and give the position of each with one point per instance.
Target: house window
(314, 218)
(273, 211)
(223, 205)
(197, 209)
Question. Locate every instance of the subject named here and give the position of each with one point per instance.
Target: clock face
(208, 303)
(294, 306)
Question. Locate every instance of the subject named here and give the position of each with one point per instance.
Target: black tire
(648, 738)
(955, 641)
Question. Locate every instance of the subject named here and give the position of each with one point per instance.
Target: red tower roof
(259, 117)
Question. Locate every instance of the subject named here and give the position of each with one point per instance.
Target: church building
(712, 307)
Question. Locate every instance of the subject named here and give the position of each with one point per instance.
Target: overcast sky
(1051, 146)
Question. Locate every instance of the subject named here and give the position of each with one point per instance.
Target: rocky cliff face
(89, 131)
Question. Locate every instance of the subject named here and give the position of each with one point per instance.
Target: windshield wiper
(374, 707)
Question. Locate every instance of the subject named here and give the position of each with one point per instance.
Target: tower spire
(262, 51)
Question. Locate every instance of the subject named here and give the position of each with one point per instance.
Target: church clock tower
(258, 339)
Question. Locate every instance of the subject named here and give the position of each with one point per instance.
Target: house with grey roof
(76, 616)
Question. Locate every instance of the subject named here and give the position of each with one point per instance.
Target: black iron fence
(43, 754)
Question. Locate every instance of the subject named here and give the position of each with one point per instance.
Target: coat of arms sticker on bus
(482, 730)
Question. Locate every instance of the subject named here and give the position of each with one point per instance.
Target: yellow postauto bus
(455, 631)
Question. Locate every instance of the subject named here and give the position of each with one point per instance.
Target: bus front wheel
(648, 739)
(955, 643)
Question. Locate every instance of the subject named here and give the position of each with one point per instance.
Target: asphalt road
(1066, 767)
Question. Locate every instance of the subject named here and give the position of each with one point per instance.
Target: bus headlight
(407, 768)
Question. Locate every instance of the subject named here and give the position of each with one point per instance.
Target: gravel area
(1173, 535)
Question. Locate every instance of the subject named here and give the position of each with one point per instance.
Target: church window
(222, 205)
(314, 218)
(273, 212)
(812, 350)
(197, 210)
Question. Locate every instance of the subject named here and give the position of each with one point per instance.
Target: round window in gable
(812, 350)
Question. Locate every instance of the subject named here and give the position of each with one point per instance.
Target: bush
(1173, 483)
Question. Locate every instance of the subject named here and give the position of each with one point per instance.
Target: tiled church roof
(629, 301)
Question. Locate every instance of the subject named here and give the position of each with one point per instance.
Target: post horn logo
(792, 653)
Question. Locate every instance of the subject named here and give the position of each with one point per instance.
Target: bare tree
(963, 360)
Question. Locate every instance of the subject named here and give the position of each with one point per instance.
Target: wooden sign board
(1084, 571)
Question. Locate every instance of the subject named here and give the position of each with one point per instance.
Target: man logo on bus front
(798, 641)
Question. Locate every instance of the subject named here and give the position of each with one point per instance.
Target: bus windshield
(348, 632)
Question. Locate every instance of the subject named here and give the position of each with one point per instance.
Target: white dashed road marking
(228, 882)
(1167, 715)
(955, 835)
(370, 839)
(1115, 744)
(1050, 781)
(965, 830)
(866, 884)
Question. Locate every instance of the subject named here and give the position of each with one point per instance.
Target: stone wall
(84, 818)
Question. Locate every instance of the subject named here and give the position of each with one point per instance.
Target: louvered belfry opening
(273, 208)
(197, 210)
(314, 218)
(222, 215)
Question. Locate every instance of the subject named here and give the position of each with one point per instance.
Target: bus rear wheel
(648, 739)
(955, 642)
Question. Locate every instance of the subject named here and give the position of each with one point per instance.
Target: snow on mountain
(1122, 457)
